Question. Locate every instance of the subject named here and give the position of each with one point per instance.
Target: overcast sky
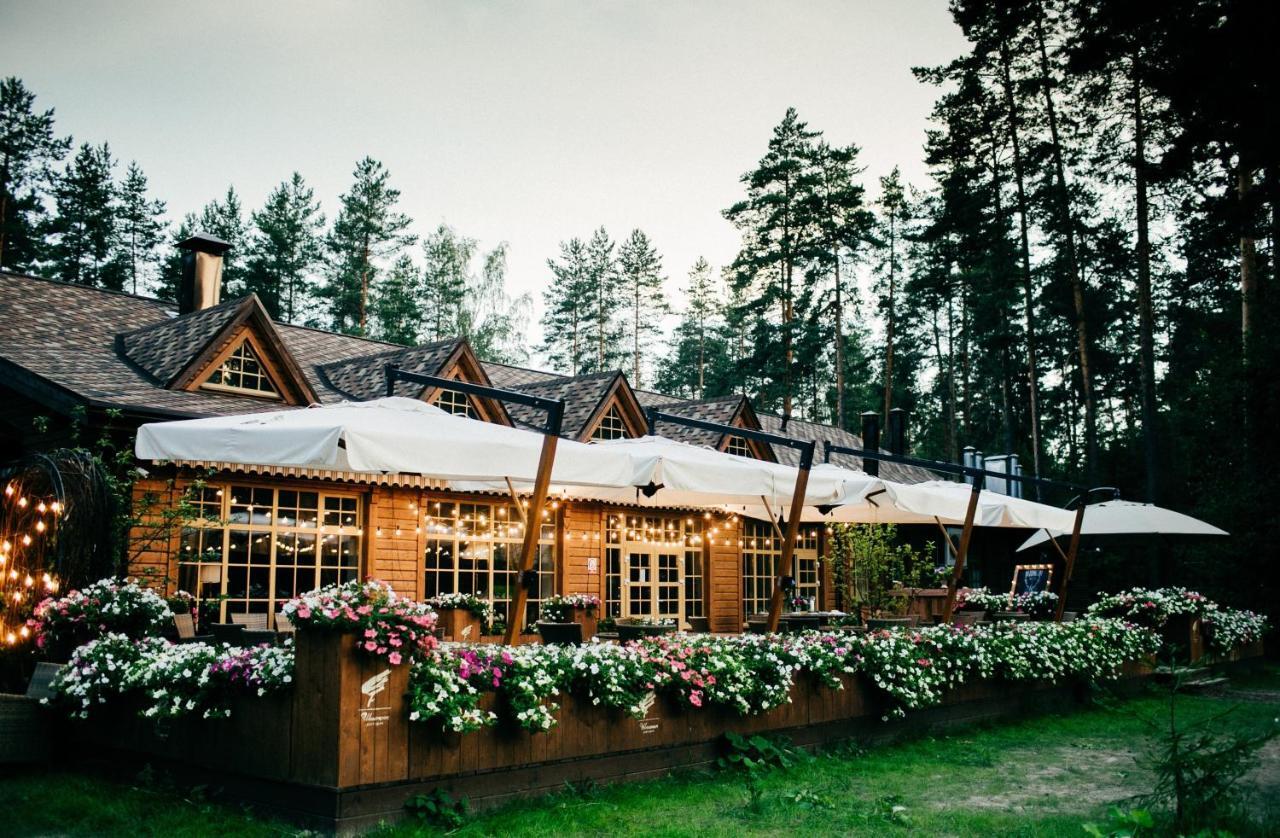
(525, 122)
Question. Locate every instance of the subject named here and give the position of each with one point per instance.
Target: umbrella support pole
(1073, 549)
(963, 551)
(787, 561)
(532, 530)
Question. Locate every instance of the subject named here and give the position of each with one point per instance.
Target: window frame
(217, 531)
(264, 375)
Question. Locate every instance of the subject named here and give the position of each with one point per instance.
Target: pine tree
(893, 211)
(86, 228)
(396, 311)
(568, 302)
(224, 219)
(446, 278)
(140, 226)
(843, 224)
(641, 281)
(777, 234)
(604, 331)
(28, 149)
(285, 248)
(367, 231)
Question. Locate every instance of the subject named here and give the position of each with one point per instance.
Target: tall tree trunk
(889, 319)
(1146, 312)
(1248, 303)
(364, 287)
(1063, 207)
(635, 339)
(839, 312)
(702, 356)
(1024, 247)
(4, 206)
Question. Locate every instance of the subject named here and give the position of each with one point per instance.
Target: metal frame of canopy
(550, 437)
(979, 476)
(786, 560)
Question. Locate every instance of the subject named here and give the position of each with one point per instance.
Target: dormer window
(611, 426)
(242, 373)
(451, 401)
(738, 447)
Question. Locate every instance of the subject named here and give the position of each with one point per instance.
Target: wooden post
(963, 551)
(1072, 550)
(532, 529)
(787, 560)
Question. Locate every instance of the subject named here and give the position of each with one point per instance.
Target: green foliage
(871, 569)
(641, 284)
(368, 231)
(1134, 823)
(28, 149)
(438, 808)
(1198, 763)
(758, 752)
(285, 249)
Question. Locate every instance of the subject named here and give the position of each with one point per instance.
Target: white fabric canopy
(692, 475)
(385, 435)
(1123, 517)
(888, 502)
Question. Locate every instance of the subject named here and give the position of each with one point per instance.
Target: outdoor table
(637, 631)
(232, 633)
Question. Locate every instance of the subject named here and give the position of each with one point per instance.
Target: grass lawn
(1039, 776)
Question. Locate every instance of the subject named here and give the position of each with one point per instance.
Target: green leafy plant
(439, 808)
(752, 753)
(874, 572)
(1123, 824)
(1198, 768)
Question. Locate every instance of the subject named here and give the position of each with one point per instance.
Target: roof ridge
(111, 291)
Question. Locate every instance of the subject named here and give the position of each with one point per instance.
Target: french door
(652, 585)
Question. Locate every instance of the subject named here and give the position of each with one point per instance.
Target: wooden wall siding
(153, 550)
(581, 540)
(724, 575)
(395, 539)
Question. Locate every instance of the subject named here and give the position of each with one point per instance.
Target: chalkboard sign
(1031, 578)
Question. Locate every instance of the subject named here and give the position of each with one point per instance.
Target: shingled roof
(67, 345)
(581, 395)
(164, 349)
(364, 377)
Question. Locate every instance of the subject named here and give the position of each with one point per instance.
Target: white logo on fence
(465, 633)
(375, 716)
(648, 725)
(374, 686)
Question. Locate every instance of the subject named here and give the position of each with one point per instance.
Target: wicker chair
(251, 622)
(284, 625)
(186, 627)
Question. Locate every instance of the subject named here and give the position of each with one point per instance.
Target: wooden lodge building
(120, 360)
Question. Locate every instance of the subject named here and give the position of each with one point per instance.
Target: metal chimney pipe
(898, 431)
(871, 441)
(201, 285)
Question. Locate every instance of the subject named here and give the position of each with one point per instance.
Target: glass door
(653, 586)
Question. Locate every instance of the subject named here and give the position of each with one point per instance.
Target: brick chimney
(201, 285)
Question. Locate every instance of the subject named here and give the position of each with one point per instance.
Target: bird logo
(646, 703)
(465, 633)
(375, 685)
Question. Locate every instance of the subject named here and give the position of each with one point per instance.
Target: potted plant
(1038, 605)
(637, 628)
(583, 609)
(876, 576)
(108, 606)
(461, 616)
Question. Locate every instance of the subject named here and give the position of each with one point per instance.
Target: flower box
(588, 617)
(459, 624)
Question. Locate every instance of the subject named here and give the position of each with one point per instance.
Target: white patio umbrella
(932, 502)
(685, 475)
(385, 435)
(1123, 517)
